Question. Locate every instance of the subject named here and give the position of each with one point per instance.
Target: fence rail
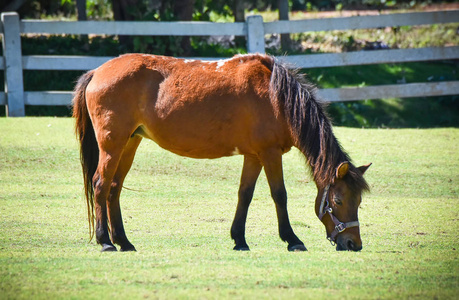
(254, 29)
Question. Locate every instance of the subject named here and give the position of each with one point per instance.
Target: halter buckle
(340, 227)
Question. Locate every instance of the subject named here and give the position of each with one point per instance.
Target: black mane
(311, 128)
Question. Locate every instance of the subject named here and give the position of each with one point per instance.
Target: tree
(81, 10)
(12, 5)
(283, 16)
(238, 10)
(122, 9)
(183, 11)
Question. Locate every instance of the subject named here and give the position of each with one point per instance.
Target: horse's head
(337, 205)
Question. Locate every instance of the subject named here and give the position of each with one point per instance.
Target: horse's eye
(338, 201)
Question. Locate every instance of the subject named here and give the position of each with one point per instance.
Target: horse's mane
(311, 128)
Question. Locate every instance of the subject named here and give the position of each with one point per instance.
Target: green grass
(179, 212)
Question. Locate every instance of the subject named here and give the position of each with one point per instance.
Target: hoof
(129, 247)
(241, 248)
(108, 248)
(297, 248)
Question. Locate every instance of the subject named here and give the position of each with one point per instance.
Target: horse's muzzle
(347, 245)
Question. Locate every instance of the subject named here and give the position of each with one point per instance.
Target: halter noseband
(339, 226)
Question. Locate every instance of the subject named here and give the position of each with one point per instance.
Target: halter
(339, 226)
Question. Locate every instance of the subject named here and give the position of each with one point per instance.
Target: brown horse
(250, 105)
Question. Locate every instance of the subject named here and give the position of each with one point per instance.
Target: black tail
(309, 125)
(89, 151)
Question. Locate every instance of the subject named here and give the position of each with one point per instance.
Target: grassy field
(178, 213)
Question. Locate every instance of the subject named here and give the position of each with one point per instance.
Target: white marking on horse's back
(189, 60)
(220, 63)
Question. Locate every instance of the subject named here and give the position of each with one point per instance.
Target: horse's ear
(342, 170)
(364, 168)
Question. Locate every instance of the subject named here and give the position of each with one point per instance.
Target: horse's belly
(191, 143)
(208, 153)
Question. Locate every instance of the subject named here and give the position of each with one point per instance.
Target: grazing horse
(251, 105)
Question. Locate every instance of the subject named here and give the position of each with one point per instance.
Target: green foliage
(178, 213)
(102, 9)
(366, 39)
(397, 113)
(99, 9)
(211, 10)
(416, 112)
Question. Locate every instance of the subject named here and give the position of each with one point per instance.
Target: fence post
(14, 85)
(255, 34)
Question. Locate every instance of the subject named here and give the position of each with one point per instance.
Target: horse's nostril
(350, 245)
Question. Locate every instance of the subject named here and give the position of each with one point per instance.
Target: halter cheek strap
(339, 226)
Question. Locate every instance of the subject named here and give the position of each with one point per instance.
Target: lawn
(178, 213)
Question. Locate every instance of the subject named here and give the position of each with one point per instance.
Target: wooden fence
(254, 29)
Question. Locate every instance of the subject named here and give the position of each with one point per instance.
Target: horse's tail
(309, 125)
(89, 151)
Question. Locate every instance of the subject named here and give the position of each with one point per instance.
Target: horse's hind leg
(114, 212)
(250, 172)
(111, 142)
(272, 162)
(102, 180)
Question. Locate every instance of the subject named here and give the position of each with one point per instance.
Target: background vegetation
(416, 112)
(178, 213)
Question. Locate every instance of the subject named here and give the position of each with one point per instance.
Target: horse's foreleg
(114, 212)
(250, 172)
(272, 162)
